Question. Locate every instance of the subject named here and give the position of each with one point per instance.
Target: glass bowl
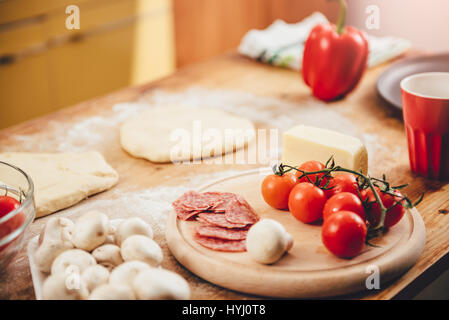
(14, 225)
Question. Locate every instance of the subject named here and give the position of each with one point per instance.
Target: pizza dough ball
(170, 133)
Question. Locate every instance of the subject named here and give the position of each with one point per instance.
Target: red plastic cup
(425, 106)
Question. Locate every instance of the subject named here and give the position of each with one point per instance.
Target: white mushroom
(91, 230)
(63, 286)
(54, 239)
(108, 255)
(95, 276)
(78, 260)
(113, 225)
(138, 247)
(132, 226)
(125, 273)
(112, 292)
(267, 241)
(159, 284)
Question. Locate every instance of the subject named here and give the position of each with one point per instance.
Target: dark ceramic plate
(388, 82)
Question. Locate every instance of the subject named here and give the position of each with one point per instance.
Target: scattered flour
(86, 134)
(272, 112)
(101, 131)
(152, 204)
(93, 132)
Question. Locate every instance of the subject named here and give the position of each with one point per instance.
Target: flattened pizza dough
(178, 133)
(63, 179)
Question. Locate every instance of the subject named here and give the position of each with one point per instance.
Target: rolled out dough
(178, 133)
(63, 179)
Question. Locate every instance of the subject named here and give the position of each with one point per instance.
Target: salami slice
(190, 204)
(225, 197)
(218, 220)
(186, 215)
(239, 211)
(222, 233)
(225, 218)
(194, 201)
(220, 244)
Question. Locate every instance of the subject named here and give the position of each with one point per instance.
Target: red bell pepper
(335, 57)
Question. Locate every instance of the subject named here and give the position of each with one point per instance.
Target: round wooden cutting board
(308, 270)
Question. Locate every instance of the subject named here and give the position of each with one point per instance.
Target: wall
(47, 67)
(425, 23)
(205, 28)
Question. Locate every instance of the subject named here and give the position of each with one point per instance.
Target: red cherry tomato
(393, 214)
(8, 204)
(344, 201)
(343, 182)
(311, 166)
(276, 189)
(306, 202)
(344, 234)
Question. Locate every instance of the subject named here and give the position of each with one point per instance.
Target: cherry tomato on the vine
(343, 182)
(306, 202)
(311, 166)
(344, 234)
(344, 201)
(394, 212)
(276, 189)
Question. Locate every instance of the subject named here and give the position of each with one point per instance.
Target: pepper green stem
(342, 18)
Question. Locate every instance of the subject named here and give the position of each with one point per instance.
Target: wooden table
(282, 89)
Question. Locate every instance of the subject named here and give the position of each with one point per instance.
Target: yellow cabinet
(44, 66)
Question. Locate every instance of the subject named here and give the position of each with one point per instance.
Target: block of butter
(303, 143)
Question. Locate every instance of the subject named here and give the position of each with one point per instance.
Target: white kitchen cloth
(282, 44)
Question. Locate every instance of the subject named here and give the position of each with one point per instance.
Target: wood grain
(233, 72)
(308, 270)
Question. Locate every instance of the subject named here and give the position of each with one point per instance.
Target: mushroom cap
(125, 273)
(91, 230)
(112, 292)
(158, 284)
(267, 241)
(108, 255)
(95, 276)
(78, 259)
(142, 248)
(61, 286)
(53, 240)
(132, 226)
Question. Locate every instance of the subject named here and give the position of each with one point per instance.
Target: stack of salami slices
(225, 218)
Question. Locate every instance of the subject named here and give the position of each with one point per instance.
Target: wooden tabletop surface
(271, 97)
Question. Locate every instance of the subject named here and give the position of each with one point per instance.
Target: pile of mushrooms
(95, 258)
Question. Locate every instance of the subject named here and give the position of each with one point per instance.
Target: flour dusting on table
(273, 112)
(86, 134)
(152, 204)
(101, 132)
(94, 132)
